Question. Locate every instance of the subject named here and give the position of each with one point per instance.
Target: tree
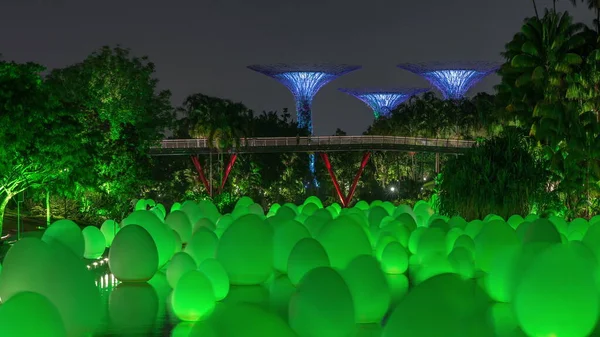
(508, 178)
(39, 139)
(548, 84)
(221, 121)
(115, 97)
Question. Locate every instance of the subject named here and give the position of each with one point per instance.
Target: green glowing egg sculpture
(432, 242)
(244, 202)
(56, 273)
(451, 237)
(209, 224)
(445, 305)
(159, 231)
(158, 212)
(382, 242)
(344, 240)
(314, 200)
(403, 208)
(179, 222)
(415, 237)
(246, 250)
(95, 243)
(315, 222)
(67, 233)
(408, 220)
(224, 221)
(557, 295)
(209, 210)
(466, 242)
(457, 222)
(273, 210)
(217, 275)
(133, 256)
(362, 205)
(493, 238)
(238, 212)
(376, 214)
(473, 228)
(257, 210)
(541, 231)
(500, 275)
(15, 317)
(369, 288)
(286, 213)
(175, 207)
(461, 260)
(178, 243)
(192, 210)
(193, 297)
(245, 320)
(202, 246)
(394, 259)
(306, 255)
(133, 309)
(322, 305)
(109, 229)
(180, 264)
(284, 239)
(309, 209)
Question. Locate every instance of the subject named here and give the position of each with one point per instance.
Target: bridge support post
(363, 163)
(200, 171)
(208, 184)
(228, 170)
(338, 190)
(345, 200)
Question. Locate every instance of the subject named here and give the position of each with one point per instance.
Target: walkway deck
(178, 147)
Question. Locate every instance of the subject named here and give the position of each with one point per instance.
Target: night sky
(205, 45)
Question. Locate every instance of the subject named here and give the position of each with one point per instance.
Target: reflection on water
(142, 309)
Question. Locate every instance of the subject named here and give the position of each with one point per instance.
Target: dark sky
(205, 45)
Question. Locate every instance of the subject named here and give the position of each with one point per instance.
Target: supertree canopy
(383, 101)
(452, 79)
(304, 81)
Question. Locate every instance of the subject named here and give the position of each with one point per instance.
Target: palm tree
(540, 58)
(535, 9)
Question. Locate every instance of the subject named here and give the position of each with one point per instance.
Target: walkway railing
(318, 141)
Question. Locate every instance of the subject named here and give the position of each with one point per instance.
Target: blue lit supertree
(452, 79)
(383, 101)
(304, 81)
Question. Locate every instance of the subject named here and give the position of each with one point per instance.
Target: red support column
(325, 158)
(201, 173)
(228, 170)
(364, 162)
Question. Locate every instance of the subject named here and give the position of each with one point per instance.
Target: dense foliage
(500, 176)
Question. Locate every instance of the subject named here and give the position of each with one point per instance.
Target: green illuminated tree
(509, 179)
(39, 138)
(550, 84)
(222, 121)
(114, 96)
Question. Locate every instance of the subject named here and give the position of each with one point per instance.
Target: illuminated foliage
(39, 139)
(549, 84)
(114, 97)
(509, 180)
